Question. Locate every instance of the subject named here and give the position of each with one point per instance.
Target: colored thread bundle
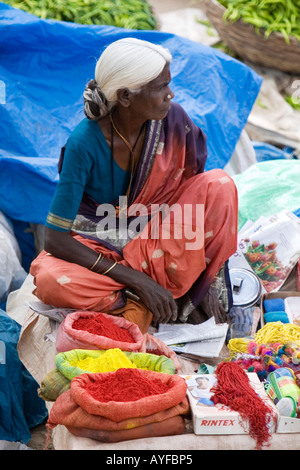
(271, 333)
(263, 359)
(275, 345)
(278, 332)
(233, 389)
(111, 360)
(271, 317)
(274, 305)
(275, 310)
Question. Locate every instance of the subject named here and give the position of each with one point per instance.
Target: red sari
(182, 250)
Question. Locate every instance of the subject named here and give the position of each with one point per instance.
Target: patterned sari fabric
(179, 226)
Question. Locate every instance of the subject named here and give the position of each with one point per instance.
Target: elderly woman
(136, 227)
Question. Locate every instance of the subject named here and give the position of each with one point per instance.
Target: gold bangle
(98, 259)
(110, 268)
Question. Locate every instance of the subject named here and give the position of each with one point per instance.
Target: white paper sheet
(203, 340)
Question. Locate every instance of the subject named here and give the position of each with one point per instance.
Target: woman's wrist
(103, 265)
(125, 275)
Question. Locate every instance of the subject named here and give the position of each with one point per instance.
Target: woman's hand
(159, 300)
(156, 298)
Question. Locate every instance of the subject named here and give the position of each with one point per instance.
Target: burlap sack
(169, 427)
(116, 410)
(67, 413)
(53, 384)
(66, 362)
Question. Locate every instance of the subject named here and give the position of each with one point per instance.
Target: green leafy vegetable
(282, 16)
(131, 14)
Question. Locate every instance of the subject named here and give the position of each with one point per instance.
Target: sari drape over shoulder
(178, 225)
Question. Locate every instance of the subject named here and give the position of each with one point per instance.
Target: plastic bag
(30, 147)
(69, 338)
(266, 188)
(20, 406)
(282, 388)
(12, 274)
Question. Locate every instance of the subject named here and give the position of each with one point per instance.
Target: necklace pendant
(119, 211)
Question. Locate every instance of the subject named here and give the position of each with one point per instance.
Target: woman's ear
(124, 97)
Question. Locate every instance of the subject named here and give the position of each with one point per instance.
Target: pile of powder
(103, 326)
(110, 360)
(125, 385)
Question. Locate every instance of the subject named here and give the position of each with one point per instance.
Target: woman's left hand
(155, 297)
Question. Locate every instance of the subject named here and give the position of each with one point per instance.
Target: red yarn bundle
(234, 390)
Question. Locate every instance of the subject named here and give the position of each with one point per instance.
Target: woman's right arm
(62, 245)
(155, 297)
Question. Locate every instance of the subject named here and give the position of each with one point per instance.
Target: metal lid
(245, 287)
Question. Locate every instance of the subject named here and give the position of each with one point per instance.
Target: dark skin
(130, 114)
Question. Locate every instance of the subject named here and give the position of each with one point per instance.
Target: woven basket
(242, 38)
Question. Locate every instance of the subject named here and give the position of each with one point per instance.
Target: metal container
(246, 287)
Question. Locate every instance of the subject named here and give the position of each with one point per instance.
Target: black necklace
(130, 148)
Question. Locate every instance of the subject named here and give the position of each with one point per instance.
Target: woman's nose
(170, 94)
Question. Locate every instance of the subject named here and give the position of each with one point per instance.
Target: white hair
(126, 63)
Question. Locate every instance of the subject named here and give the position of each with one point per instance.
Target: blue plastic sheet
(20, 407)
(265, 152)
(44, 66)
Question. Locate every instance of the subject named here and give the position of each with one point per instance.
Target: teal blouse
(87, 168)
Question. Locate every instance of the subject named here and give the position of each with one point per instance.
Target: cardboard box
(287, 425)
(275, 295)
(219, 419)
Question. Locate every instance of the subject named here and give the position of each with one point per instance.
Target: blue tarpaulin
(44, 66)
(20, 406)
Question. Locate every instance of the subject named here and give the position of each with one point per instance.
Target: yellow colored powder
(111, 360)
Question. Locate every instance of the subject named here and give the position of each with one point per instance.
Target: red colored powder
(233, 389)
(125, 385)
(103, 326)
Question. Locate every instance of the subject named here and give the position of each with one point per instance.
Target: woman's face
(154, 99)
